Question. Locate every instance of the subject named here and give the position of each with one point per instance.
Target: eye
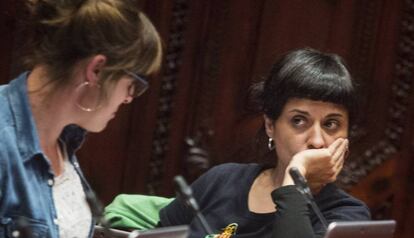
(332, 124)
(298, 121)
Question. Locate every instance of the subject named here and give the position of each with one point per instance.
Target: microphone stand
(186, 194)
(302, 185)
(97, 210)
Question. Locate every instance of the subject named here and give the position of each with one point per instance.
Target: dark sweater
(222, 195)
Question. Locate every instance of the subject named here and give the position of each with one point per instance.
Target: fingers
(338, 166)
(335, 145)
(322, 166)
(340, 149)
(339, 162)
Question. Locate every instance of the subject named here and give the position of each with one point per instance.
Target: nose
(316, 139)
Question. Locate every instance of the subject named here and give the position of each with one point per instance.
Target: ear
(269, 126)
(94, 67)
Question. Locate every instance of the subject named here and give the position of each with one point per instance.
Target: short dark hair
(310, 74)
(303, 73)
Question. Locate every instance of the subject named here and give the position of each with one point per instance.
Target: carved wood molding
(397, 113)
(383, 211)
(172, 61)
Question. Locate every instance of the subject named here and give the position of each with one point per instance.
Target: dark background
(194, 115)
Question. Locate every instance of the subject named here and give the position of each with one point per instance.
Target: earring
(89, 98)
(271, 144)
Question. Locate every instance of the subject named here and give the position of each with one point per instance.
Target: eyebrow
(307, 113)
(299, 111)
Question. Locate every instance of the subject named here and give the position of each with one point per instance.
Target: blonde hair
(68, 31)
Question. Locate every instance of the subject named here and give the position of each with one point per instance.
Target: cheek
(115, 99)
(340, 134)
(118, 93)
(288, 145)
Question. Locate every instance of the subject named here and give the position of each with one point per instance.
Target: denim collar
(26, 132)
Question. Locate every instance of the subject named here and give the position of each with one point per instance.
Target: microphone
(186, 194)
(302, 185)
(97, 209)
(300, 182)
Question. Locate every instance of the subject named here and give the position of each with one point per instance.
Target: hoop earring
(86, 91)
(271, 144)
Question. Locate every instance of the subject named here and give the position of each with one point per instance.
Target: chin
(96, 129)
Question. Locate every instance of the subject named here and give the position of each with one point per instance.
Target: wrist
(298, 163)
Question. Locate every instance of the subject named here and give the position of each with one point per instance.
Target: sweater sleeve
(292, 216)
(295, 219)
(176, 213)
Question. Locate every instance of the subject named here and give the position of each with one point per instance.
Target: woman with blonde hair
(88, 58)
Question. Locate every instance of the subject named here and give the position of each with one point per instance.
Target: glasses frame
(138, 79)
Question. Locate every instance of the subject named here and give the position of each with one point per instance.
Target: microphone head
(185, 193)
(300, 182)
(294, 171)
(297, 177)
(183, 187)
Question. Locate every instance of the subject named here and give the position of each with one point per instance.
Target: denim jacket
(26, 177)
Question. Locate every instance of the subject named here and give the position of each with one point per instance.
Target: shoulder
(3, 89)
(336, 202)
(7, 125)
(230, 170)
(7, 140)
(8, 148)
(223, 178)
(5, 112)
(332, 193)
(228, 167)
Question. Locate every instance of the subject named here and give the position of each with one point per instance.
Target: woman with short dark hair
(308, 103)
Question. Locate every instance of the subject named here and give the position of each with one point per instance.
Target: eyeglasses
(139, 86)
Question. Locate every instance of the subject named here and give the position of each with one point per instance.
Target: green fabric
(135, 211)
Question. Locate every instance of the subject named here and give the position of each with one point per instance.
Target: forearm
(292, 216)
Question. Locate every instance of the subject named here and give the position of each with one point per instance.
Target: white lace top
(73, 212)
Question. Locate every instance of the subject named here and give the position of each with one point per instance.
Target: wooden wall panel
(7, 31)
